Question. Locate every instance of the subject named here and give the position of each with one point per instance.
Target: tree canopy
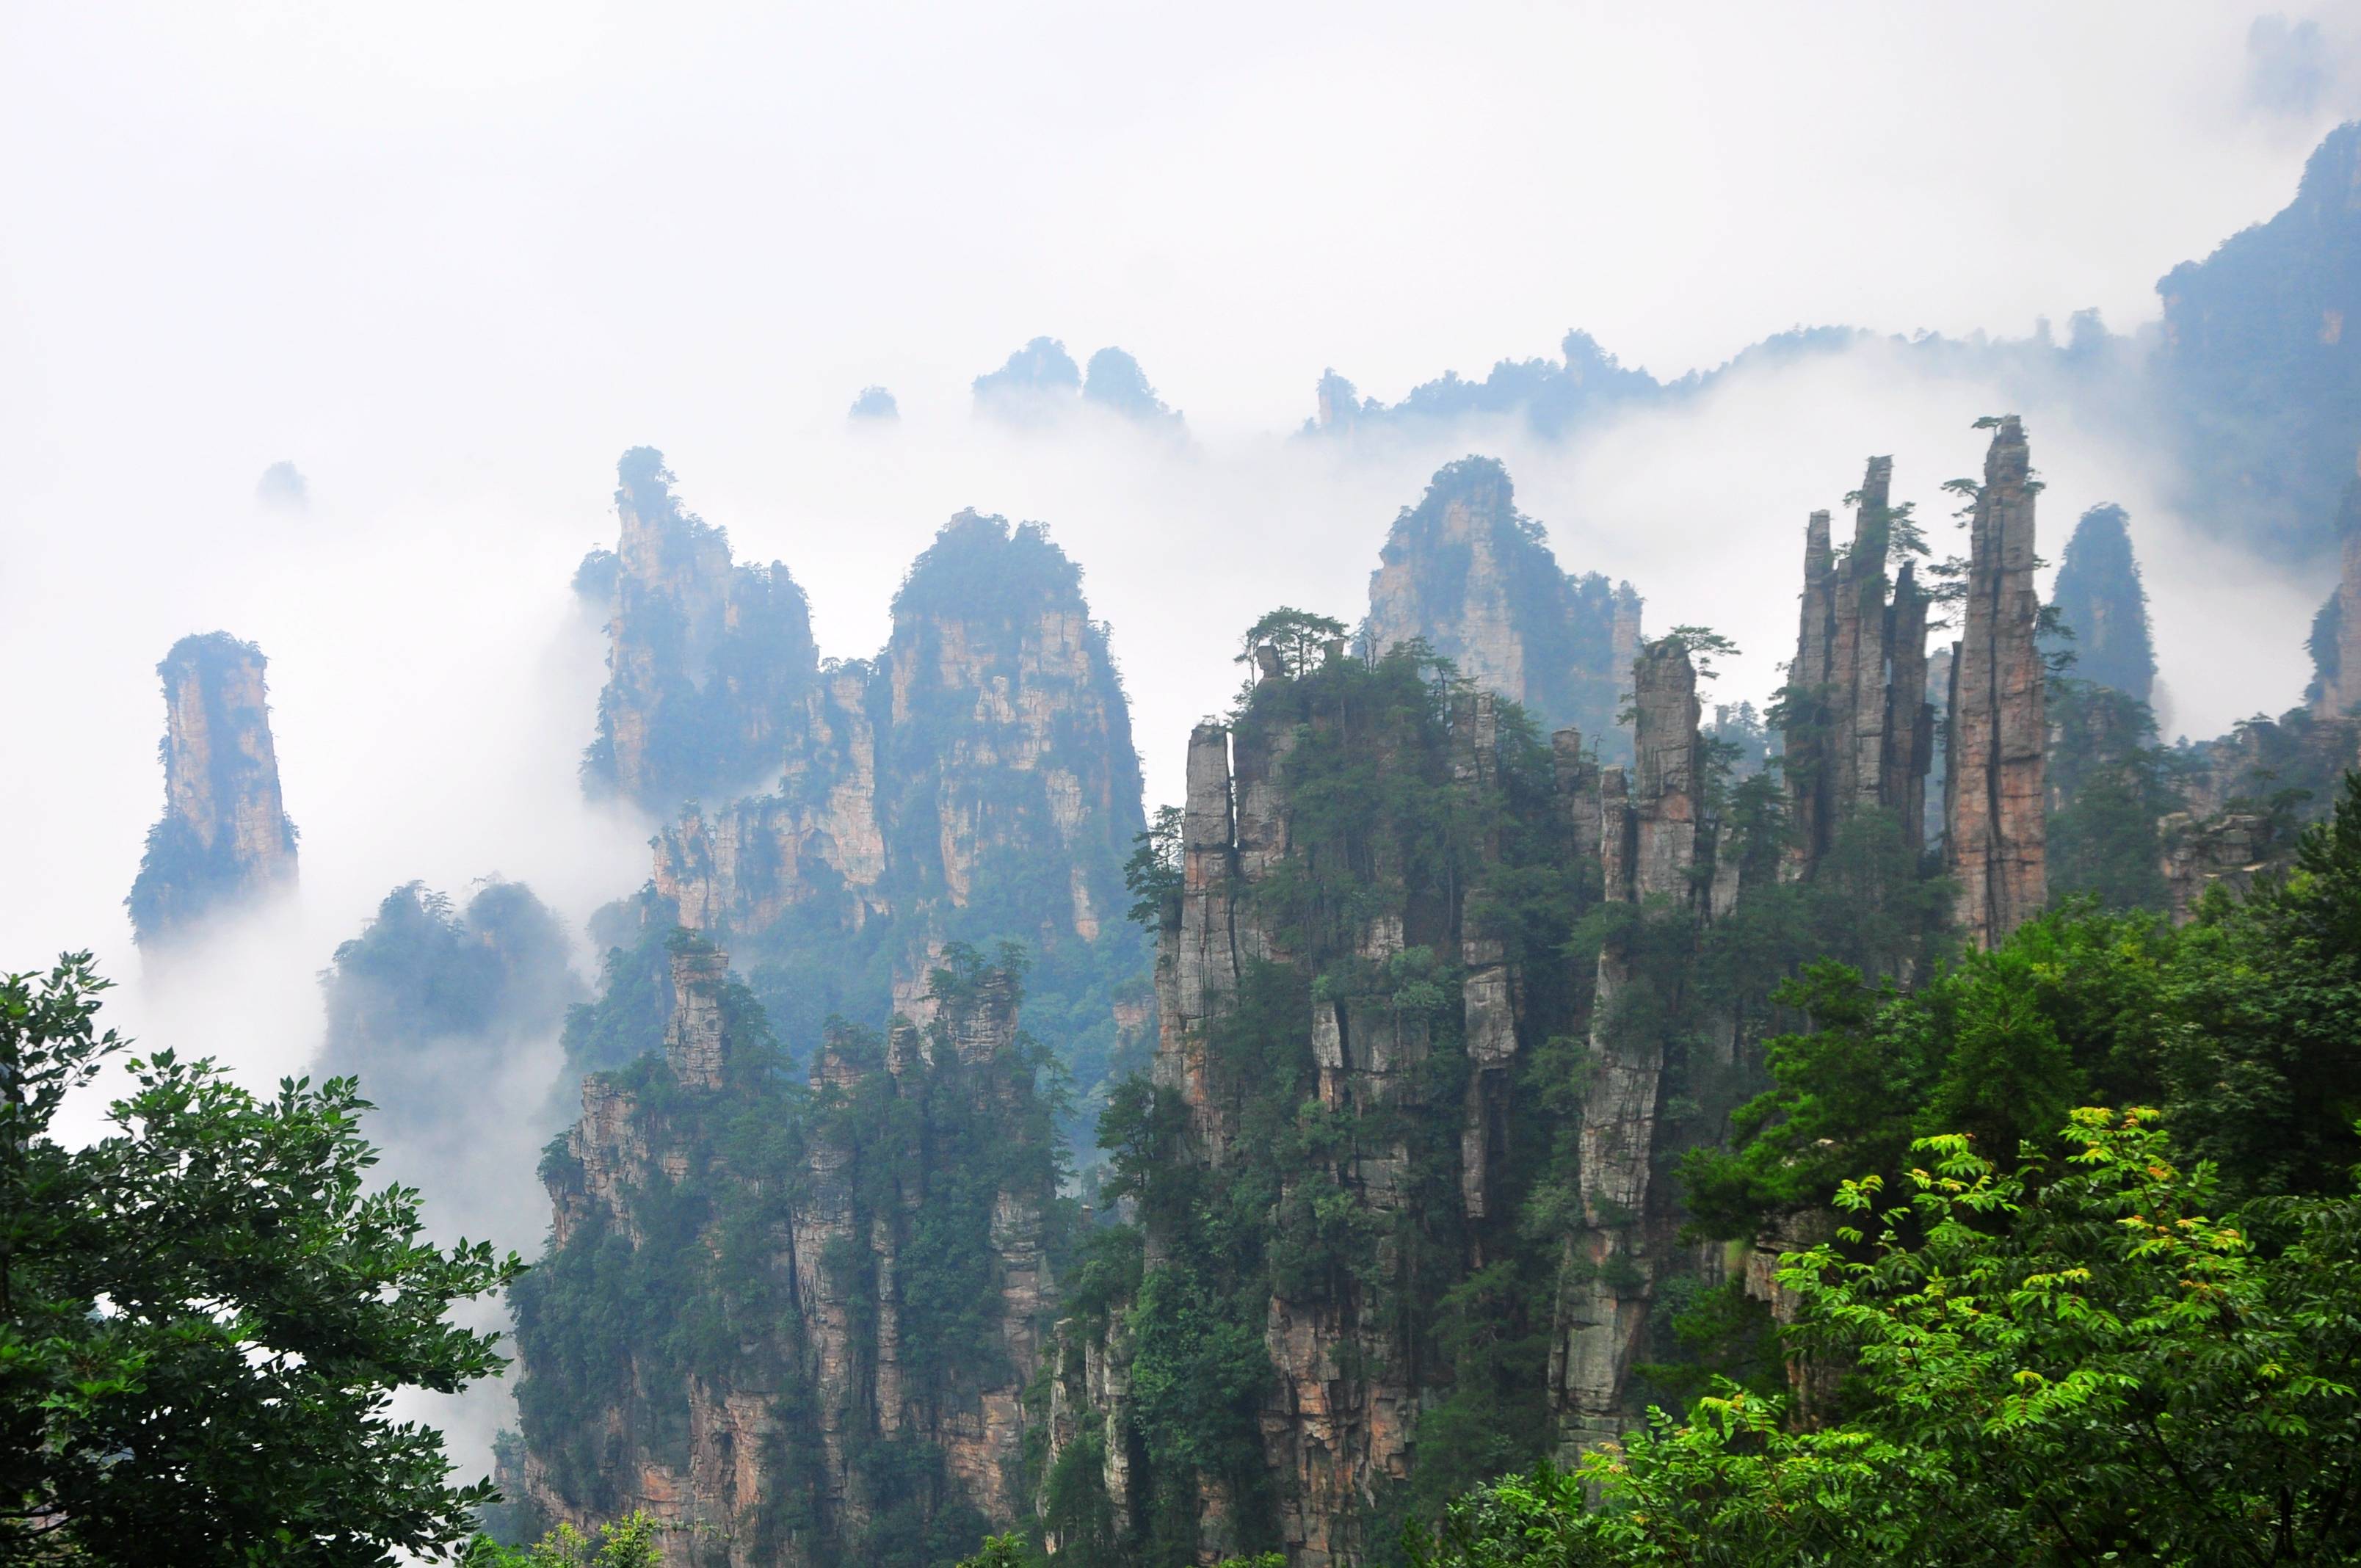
(205, 1313)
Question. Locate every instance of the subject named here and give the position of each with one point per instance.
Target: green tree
(628, 1543)
(204, 1314)
(1300, 636)
(2069, 1363)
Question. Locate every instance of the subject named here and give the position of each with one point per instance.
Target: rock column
(1993, 787)
(1651, 837)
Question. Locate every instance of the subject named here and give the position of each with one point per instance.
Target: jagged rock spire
(1860, 732)
(2100, 601)
(1475, 579)
(1992, 789)
(225, 835)
(707, 661)
(1653, 832)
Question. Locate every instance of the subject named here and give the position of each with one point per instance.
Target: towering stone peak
(974, 782)
(707, 661)
(1116, 382)
(1325, 963)
(1475, 579)
(1040, 382)
(2100, 601)
(1860, 733)
(224, 836)
(862, 1271)
(1041, 366)
(696, 1039)
(1657, 851)
(1992, 787)
(2260, 363)
(2335, 641)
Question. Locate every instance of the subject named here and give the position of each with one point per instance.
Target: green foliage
(204, 1313)
(1153, 874)
(2066, 1363)
(1300, 637)
(425, 994)
(628, 1543)
(2108, 783)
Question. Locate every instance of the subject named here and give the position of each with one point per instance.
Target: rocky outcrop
(1992, 790)
(2228, 848)
(1860, 734)
(224, 837)
(868, 1264)
(2258, 363)
(975, 782)
(2102, 607)
(707, 661)
(1475, 578)
(1656, 855)
(1041, 383)
(2335, 641)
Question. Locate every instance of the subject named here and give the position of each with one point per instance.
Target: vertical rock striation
(224, 836)
(1475, 578)
(1992, 789)
(1656, 854)
(796, 1328)
(1860, 733)
(708, 662)
(976, 782)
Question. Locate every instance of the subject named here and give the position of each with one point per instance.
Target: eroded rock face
(1993, 791)
(224, 837)
(2335, 641)
(1656, 852)
(925, 788)
(823, 1243)
(1385, 989)
(707, 661)
(1861, 734)
(1468, 573)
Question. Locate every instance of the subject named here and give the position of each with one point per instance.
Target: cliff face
(976, 782)
(2261, 359)
(2100, 601)
(1992, 789)
(1860, 734)
(1399, 1177)
(1657, 860)
(2335, 641)
(797, 1323)
(707, 661)
(225, 835)
(1467, 572)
